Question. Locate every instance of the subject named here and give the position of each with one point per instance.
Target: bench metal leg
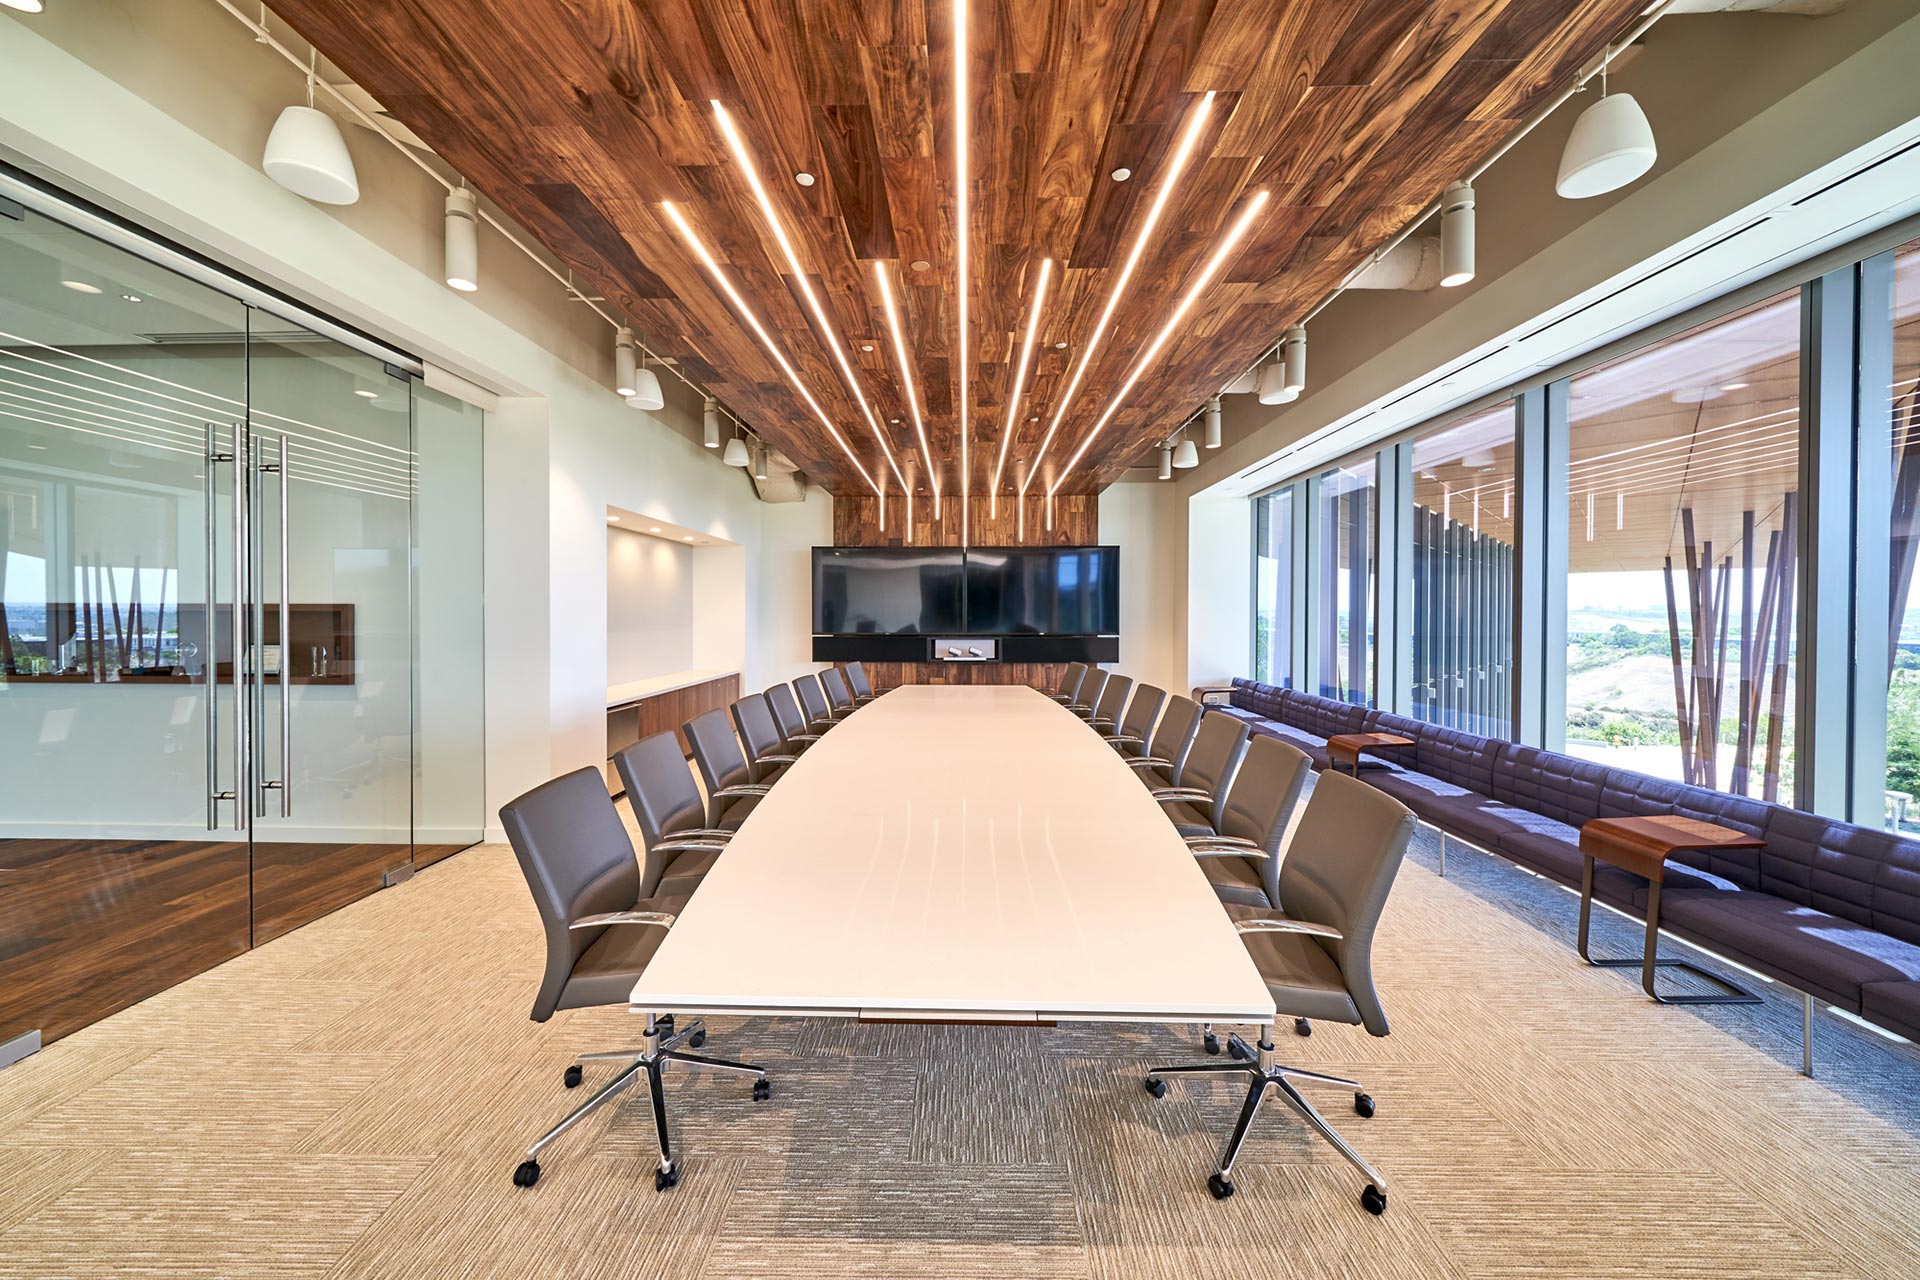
(1443, 854)
(1806, 1035)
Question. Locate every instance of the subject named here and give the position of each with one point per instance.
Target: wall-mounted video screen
(887, 591)
(1054, 591)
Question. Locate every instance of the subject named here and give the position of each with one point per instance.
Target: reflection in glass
(1347, 568)
(1681, 555)
(1273, 588)
(1462, 626)
(1903, 647)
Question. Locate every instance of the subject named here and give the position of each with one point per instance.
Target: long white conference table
(957, 853)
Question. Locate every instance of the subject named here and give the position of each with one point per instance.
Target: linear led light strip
(759, 331)
(745, 159)
(1020, 381)
(906, 380)
(963, 232)
(1152, 353)
(1189, 138)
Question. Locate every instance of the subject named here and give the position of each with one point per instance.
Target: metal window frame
(1872, 539)
(1542, 453)
(1393, 579)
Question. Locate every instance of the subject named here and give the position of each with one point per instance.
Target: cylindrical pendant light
(305, 152)
(463, 241)
(623, 361)
(1272, 386)
(1456, 235)
(1166, 462)
(760, 455)
(25, 6)
(735, 454)
(1186, 456)
(710, 424)
(1293, 352)
(1213, 423)
(646, 388)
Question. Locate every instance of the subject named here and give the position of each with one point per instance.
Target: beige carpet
(350, 1100)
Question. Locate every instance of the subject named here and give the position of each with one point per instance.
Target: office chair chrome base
(1267, 1074)
(663, 1047)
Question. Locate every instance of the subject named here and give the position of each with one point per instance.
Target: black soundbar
(1015, 648)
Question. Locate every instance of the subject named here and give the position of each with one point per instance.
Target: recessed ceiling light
(131, 297)
(1121, 175)
(613, 519)
(366, 393)
(654, 529)
(1059, 346)
(81, 286)
(804, 178)
(920, 264)
(1734, 386)
(894, 421)
(36, 446)
(866, 346)
(687, 538)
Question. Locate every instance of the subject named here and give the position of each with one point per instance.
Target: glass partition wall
(208, 625)
(1344, 546)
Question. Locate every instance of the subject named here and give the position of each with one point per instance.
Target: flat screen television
(1055, 591)
(887, 591)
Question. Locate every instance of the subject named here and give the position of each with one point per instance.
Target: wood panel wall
(1076, 523)
(665, 712)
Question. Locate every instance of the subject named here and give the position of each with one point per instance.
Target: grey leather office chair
(859, 685)
(1113, 700)
(839, 697)
(723, 766)
(1171, 743)
(813, 701)
(1316, 954)
(601, 934)
(1070, 683)
(1241, 852)
(760, 736)
(1136, 727)
(1090, 690)
(1208, 772)
(679, 847)
(789, 719)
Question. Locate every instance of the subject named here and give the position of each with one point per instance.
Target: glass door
(329, 460)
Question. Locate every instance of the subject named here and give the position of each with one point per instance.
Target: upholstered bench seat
(1893, 1005)
(1814, 951)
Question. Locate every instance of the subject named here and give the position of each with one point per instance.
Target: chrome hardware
(241, 820)
(284, 784)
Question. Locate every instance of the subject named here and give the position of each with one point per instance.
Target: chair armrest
(662, 918)
(1288, 926)
(1099, 721)
(690, 846)
(1158, 762)
(1119, 738)
(700, 833)
(780, 759)
(1077, 706)
(1179, 793)
(805, 737)
(1239, 842)
(1228, 851)
(743, 789)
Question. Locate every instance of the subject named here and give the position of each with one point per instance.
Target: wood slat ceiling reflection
(580, 117)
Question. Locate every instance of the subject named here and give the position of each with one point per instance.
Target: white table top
(963, 853)
(619, 695)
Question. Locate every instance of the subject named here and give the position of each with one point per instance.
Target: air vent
(226, 337)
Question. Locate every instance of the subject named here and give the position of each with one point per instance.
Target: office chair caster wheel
(1220, 1187)
(527, 1174)
(1211, 1043)
(1363, 1105)
(664, 1024)
(666, 1179)
(1156, 1087)
(762, 1090)
(1302, 1027)
(697, 1039)
(1237, 1053)
(572, 1078)
(1373, 1200)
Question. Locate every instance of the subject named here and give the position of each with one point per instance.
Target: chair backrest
(1113, 699)
(1173, 736)
(812, 699)
(1339, 867)
(857, 681)
(1070, 680)
(1141, 715)
(1215, 758)
(664, 798)
(835, 687)
(786, 714)
(758, 734)
(1091, 688)
(717, 753)
(574, 851)
(1262, 800)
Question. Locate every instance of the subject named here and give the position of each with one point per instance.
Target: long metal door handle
(241, 805)
(210, 671)
(286, 644)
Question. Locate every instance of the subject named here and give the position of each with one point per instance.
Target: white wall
(649, 606)
(1143, 519)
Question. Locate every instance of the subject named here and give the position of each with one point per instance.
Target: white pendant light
(735, 454)
(1611, 145)
(710, 424)
(646, 388)
(1166, 462)
(1293, 352)
(1213, 423)
(25, 6)
(463, 241)
(760, 455)
(1186, 456)
(1456, 235)
(306, 154)
(623, 361)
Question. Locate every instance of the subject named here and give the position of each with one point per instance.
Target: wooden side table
(1642, 846)
(1347, 748)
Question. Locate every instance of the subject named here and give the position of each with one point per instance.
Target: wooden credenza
(662, 704)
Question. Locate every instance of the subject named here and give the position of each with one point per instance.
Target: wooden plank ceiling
(582, 118)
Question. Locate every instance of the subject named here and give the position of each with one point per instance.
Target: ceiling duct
(784, 482)
(1798, 8)
(1414, 263)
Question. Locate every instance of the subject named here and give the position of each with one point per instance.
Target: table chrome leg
(1648, 961)
(1806, 1035)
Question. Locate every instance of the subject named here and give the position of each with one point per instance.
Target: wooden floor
(349, 1101)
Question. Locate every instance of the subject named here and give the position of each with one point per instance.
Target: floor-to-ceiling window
(1345, 536)
(1273, 588)
(1681, 565)
(1462, 574)
(1903, 640)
